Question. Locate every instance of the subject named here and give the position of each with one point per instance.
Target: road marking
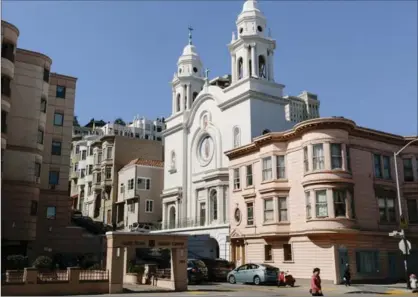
(400, 293)
(197, 293)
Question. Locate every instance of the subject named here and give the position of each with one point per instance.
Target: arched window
(178, 103)
(97, 205)
(262, 67)
(250, 67)
(213, 200)
(240, 65)
(173, 160)
(237, 137)
(185, 103)
(195, 95)
(172, 218)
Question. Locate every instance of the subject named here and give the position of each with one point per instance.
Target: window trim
(49, 177)
(266, 170)
(63, 93)
(268, 248)
(56, 152)
(268, 210)
(147, 203)
(236, 179)
(291, 253)
(345, 201)
(320, 158)
(387, 221)
(279, 209)
(247, 206)
(249, 176)
(339, 157)
(281, 167)
(147, 183)
(316, 203)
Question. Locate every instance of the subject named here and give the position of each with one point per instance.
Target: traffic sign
(402, 246)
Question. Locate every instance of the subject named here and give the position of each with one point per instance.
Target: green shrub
(43, 262)
(17, 262)
(139, 269)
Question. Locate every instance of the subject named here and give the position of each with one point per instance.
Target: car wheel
(257, 280)
(232, 279)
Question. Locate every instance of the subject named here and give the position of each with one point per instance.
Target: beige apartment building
(95, 162)
(37, 117)
(322, 195)
(138, 206)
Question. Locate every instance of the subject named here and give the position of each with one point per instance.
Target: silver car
(253, 273)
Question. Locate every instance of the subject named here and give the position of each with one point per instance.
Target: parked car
(196, 271)
(253, 273)
(218, 269)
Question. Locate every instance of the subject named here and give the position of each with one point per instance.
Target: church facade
(210, 117)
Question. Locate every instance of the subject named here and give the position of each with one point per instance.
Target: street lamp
(402, 225)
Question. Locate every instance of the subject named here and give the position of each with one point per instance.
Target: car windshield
(199, 263)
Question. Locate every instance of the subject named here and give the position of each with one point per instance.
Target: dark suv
(218, 269)
(196, 271)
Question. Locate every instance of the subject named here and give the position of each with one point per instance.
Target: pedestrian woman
(347, 275)
(316, 289)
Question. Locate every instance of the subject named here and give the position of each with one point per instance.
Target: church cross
(207, 73)
(190, 34)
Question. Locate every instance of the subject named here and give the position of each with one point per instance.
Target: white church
(211, 117)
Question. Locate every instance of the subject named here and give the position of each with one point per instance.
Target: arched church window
(250, 67)
(240, 65)
(213, 199)
(262, 66)
(172, 218)
(237, 137)
(173, 160)
(178, 103)
(194, 96)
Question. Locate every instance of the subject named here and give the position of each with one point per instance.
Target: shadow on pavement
(367, 292)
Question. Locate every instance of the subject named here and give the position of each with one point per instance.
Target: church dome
(250, 9)
(190, 49)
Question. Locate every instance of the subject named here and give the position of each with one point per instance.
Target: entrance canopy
(122, 244)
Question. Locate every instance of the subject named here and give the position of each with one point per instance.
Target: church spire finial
(190, 35)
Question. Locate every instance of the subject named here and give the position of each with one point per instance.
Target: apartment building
(302, 107)
(95, 162)
(140, 128)
(138, 202)
(38, 113)
(323, 194)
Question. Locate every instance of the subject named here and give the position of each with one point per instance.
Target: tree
(75, 122)
(119, 121)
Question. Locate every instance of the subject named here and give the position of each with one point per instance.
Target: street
(225, 289)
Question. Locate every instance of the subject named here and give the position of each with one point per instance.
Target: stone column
(271, 66)
(114, 264)
(234, 68)
(245, 58)
(253, 61)
(179, 269)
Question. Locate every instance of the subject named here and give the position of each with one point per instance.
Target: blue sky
(360, 57)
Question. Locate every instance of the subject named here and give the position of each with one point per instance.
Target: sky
(360, 57)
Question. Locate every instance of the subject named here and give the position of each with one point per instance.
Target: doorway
(342, 261)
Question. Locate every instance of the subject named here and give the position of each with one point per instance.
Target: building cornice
(10, 26)
(318, 124)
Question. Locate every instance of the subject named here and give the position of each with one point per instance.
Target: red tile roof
(152, 163)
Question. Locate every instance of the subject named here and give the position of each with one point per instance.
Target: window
(318, 156)
(178, 103)
(8, 51)
(283, 209)
(149, 206)
(131, 206)
(56, 148)
(202, 214)
(321, 204)
(90, 151)
(89, 189)
(412, 205)
(5, 86)
(377, 166)
(143, 184)
(213, 200)
(268, 253)
(386, 167)
(108, 172)
(249, 170)
(98, 177)
(33, 208)
(262, 67)
(130, 184)
(308, 205)
(268, 210)
(367, 262)
(77, 149)
(237, 183)
(250, 214)
(58, 119)
(287, 252)
(109, 152)
(46, 75)
(60, 92)
(83, 155)
(37, 169)
(51, 212)
(280, 167)
(54, 177)
(336, 156)
(387, 209)
(340, 203)
(40, 136)
(122, 188)
(3, 121)
(90, 169)
(99, 157)
(408, 172)
(237, 137)
(267, 169)
(43, 105)
(82, 173)
(305, 159)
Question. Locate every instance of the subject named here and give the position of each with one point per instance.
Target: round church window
(194, 69)
(260, 28)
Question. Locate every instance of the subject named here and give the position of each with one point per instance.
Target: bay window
(318, 156)
(321, 204)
